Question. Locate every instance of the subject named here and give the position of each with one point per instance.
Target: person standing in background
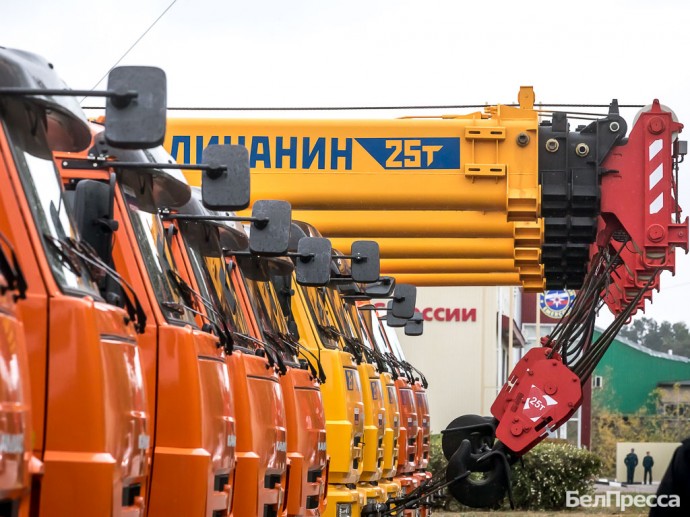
(631, 462)
(647, 464)
(676, 482)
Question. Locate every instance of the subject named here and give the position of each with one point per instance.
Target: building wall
(460, 359)
(631, 372)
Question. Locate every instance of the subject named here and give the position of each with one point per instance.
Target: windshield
(393, 341)
(270, 316)
(212, 276)
(150, 236)
(355, 317)
(345, 324)
(41, 183)
(377, 334)
(317, 302)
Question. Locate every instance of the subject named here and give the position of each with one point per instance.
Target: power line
(133, 45)
(374, 108)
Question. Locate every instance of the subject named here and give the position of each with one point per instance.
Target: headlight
(343, 510)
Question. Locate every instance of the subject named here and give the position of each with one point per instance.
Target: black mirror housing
(382, 288)
(270, 233)
(404, 301)
(314, 261)
(391, 319)
(225, 187)
(367, 267)
(415, 325)
(93, 215)
(136, 122)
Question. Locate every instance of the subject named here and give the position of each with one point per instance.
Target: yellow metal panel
(395, 266)
(528, 234)
(452, 279)
(438, 248)
(408, 223)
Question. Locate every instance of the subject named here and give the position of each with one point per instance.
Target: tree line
(662, 337)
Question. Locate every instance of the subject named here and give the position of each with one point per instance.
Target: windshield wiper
(401, 367)
(272, 359)
(421, 375)
(295, 346)
(98, 269)
(64, 256)
(354, 346)
(223, 332)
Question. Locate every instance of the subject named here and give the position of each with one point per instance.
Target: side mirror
(415, 325)
(391, 319)
(93, 215)
(270, 229)
(382, 288)
(135, 117)
(314, 261)
(366, 263)
(404, 300)
(225, 186)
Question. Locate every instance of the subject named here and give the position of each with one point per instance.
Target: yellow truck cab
(410, 474)
(363, 320)
(372, 395)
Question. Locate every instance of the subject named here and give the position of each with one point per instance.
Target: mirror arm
(102, 163)
(167, 215)
(303, 257)
(355, 258)
(121, 99)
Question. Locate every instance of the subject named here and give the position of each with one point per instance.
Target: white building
(460, 352)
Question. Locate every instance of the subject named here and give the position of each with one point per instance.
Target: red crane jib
(638, 200)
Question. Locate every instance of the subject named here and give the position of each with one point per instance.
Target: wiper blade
(88, 256)
(321, 374)
(175, 307)
(184, 287)
(270, 350)
(63, 255)
(421, 375)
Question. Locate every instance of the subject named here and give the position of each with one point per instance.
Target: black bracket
(119, 98)
(167, 215)
(102, 163)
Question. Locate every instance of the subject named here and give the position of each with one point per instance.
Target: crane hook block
(540, 395)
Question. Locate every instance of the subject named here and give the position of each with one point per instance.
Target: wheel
(479, 430)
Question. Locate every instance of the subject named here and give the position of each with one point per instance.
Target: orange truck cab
(90, 417)
(193, 438)
(408, 387)
(15, 416)
(306, 422)
(421, 400)
(261, 443)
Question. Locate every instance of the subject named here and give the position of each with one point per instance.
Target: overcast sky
(315, 53)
